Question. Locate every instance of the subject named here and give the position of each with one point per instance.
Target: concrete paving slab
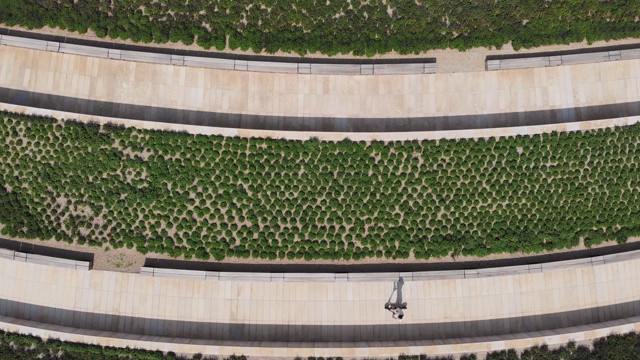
(84, 50)
(470, 274)
(626, 256)
(524, 63)
(177, 60)
(503, 271)
(145, 57)
(53, 46)
(242, 65)
(146, 271)
(373, 276)
(432, 275)
(115, 54)
(630, 54)
(568, 264)
(244, 276)
(391, 69)
(614, 55)
(23, 42)
(211, 63)
(47, 262)
(177, 273)
(430, 68)
(366, 69)
(7, 254)
(334, 69)
(585, 58)
(313, 277)
(555, 60)
(50, 259)
(598, 260)
(535, 268)
(277, 67)
(212, 275)
(304, 68)
(19, 256)
(277, 277)
(491, 65)
(342, 277)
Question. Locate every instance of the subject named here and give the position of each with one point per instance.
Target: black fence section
(31, 248)
(389, 267)
(584, 50)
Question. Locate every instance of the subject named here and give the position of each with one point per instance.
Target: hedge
(16, 346)
(336, 26)
(23, 347)
(211, 196)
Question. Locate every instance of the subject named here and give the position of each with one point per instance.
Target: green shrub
(336, 27)
(313, 199)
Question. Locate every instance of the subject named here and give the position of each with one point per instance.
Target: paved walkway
(299, 102)
(330, 313)
(319, 311)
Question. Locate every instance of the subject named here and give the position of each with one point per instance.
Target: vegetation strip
(419, 66)
(336, 26)
(18, 346)
(211, 196)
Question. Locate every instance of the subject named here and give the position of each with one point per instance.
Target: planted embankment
(14, 345)
(211, 196)
(338, 26)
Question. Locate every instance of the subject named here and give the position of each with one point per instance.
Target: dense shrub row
(26, 347)
(204, 196)
(618, 347)
(336, 26)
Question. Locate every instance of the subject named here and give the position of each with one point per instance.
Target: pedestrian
(396, 312)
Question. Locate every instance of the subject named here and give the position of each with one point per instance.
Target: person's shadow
(398, 304)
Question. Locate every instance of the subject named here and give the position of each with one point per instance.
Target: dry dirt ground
(447, 60)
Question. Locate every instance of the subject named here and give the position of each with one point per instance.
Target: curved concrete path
(317, 319)
(298, 102)
(307, 317)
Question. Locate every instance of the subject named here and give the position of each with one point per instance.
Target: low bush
(174, 193)
(336, 26)
(27, 347)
